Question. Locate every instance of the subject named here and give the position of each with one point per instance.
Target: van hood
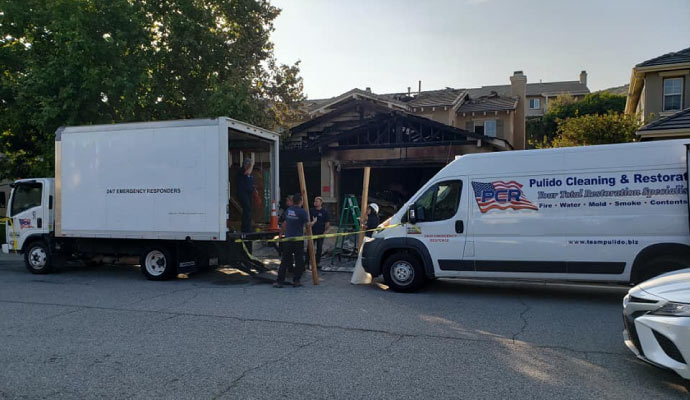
(672, 286)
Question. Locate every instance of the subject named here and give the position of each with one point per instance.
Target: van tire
(403, 272)
(157, 264)
(660, 265)
(37, 258)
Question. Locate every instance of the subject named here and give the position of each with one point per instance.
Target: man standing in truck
(245, 191)
(293, 250)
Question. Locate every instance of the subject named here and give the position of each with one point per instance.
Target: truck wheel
(37, 258)
(403, 272)
(157, 264)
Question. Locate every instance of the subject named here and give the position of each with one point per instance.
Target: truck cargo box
(153, 180)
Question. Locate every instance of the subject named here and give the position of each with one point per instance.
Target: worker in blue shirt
(293, 251)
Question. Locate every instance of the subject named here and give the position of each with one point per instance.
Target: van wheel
(403, 272)
(157, 264)
(661, 265)
(37, 258)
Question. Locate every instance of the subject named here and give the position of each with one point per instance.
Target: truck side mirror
(412, 215)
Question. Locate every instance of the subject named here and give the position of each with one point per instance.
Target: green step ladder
(349, 222)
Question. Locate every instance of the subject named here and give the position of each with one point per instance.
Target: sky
(389, 45)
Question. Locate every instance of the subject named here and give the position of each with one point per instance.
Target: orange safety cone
(274, 217)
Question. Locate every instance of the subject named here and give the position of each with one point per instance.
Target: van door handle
(39, 223)
(459, 227)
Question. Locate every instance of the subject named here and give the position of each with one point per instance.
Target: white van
(611, 213)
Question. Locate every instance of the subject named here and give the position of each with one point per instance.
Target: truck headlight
(673, 309)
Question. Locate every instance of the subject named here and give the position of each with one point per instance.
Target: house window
(534, 104)
(487, 128)
(490, 128)
(673, 94)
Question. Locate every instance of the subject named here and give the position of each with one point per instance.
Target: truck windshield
(25, 196)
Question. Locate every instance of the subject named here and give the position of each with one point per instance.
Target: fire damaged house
(405, 137)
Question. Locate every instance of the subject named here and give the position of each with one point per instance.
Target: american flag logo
(25, 223)
(501, 195)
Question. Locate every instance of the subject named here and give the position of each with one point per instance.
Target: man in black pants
(321, 226)
(245, 191)
(293, 251)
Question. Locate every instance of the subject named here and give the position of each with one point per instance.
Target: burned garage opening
(361, 129)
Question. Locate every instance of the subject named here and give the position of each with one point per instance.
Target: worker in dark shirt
(372, 218)
(323, 223)
(281, 220)
(245, 190)
(293, 251)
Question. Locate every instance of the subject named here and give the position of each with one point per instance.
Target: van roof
(595, 157)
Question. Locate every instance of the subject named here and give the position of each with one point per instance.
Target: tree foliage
(541, 132)
(596, 129)
(77, 62)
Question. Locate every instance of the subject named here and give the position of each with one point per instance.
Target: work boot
(296, 284)
(278, 285)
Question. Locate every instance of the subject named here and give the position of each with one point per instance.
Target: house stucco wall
(506, 132)
(440, 114)
(652, 99)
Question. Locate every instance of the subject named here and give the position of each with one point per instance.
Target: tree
(540, 132)
(76, 62)
(596, 129)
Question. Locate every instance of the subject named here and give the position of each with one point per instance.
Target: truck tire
(157, 264)
(37, 258)
(661, 265)
(403, 272)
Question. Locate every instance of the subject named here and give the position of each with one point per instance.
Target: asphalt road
(105, 332)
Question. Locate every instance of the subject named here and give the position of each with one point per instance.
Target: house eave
(655, 133)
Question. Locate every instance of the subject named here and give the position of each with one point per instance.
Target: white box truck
(159, 191)
(611, 213)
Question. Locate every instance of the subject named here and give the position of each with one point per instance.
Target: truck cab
(30, 215)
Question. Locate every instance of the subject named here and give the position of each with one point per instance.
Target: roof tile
(679, 120)
(681, 56)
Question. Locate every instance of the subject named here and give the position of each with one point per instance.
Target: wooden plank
(365, 200)
(305, 205)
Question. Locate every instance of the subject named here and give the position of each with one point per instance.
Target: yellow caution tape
(14, 235)
(312, 237)
(250, 255)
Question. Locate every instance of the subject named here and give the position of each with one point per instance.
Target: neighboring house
(674, 126)
(407, 137)
(540, 94)
(660, 87)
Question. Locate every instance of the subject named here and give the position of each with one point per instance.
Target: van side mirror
(412, 215)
